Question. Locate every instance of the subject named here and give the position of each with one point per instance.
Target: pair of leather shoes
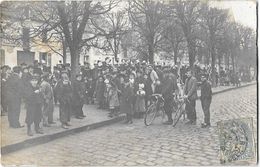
(64, 126)
(204, 125)
(39, 131)
(46, 125)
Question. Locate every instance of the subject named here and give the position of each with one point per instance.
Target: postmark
(236, 140)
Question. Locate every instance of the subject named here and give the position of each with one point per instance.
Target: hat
(37, 71)
(203, 75)
(4, 67)
(78, 75)
(17, 69)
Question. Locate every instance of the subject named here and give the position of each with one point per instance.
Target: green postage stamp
(236, 140)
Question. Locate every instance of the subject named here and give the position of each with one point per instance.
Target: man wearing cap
(14, 95)
(34, 101)
(78, 97)
(206, 96)
(190, 95)
(64, 96)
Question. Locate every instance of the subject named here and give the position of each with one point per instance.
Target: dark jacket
(78, 93)
(206, 92)
(31, 97)
(64, 92)
(14, 87)
(169, 85)
(190, 88)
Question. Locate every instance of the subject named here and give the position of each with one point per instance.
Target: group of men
(40, 89)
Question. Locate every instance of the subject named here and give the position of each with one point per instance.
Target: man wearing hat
(190, 95)
(206, 96)
(14, 95)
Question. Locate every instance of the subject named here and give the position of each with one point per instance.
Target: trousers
(205, 103)
(191, 111)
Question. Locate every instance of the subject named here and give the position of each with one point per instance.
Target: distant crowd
(119, 88)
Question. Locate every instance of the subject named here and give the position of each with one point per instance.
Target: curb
(225, 90)
(47, 138)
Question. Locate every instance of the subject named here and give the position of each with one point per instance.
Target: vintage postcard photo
(128, 83)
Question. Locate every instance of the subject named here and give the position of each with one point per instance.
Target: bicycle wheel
(150, 114)
(178, 115)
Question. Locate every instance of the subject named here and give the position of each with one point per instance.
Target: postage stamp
(236, 140)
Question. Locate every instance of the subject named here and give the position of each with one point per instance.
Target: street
(135, 144)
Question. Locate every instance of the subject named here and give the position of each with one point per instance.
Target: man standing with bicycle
(169, 86)
(190, 96)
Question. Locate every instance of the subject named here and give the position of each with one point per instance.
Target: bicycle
(155, 109)
(179, 112)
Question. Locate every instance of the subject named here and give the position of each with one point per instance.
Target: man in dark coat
(190, 95)
(206, 96)
(169, 86)
(14, 95)
(34, 100)
(78, 97)
(64, 96)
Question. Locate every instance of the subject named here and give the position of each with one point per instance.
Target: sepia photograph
(129, 83)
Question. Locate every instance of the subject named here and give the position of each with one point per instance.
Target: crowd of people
(118, 88)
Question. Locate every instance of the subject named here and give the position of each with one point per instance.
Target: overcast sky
(244, 11)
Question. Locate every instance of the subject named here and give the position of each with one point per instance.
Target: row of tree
(144, 27)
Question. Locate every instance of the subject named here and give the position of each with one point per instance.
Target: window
(43, 58)
(2, 57)
(26, 38)
(49, 60)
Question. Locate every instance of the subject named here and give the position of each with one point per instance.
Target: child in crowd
(140, 101)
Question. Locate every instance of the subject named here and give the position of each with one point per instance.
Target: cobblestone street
(136, 144)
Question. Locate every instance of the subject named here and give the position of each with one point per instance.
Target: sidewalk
(16, 139)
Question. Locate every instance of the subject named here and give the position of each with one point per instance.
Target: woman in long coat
(126, 100)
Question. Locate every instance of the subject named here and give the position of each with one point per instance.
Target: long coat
(190, 88)
(127, 99)
(100, 90)
(14, 89)
(78, 93)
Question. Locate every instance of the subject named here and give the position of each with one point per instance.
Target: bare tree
(213, 21)
(147, 18)
(187, 14)
(113, 27)
(173, 39)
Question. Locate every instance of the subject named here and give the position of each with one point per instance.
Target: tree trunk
(74, 63)
(151, 54)
(175, 52)
(213, 62)
(233, 60)
(191, 52)
(64, 53)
